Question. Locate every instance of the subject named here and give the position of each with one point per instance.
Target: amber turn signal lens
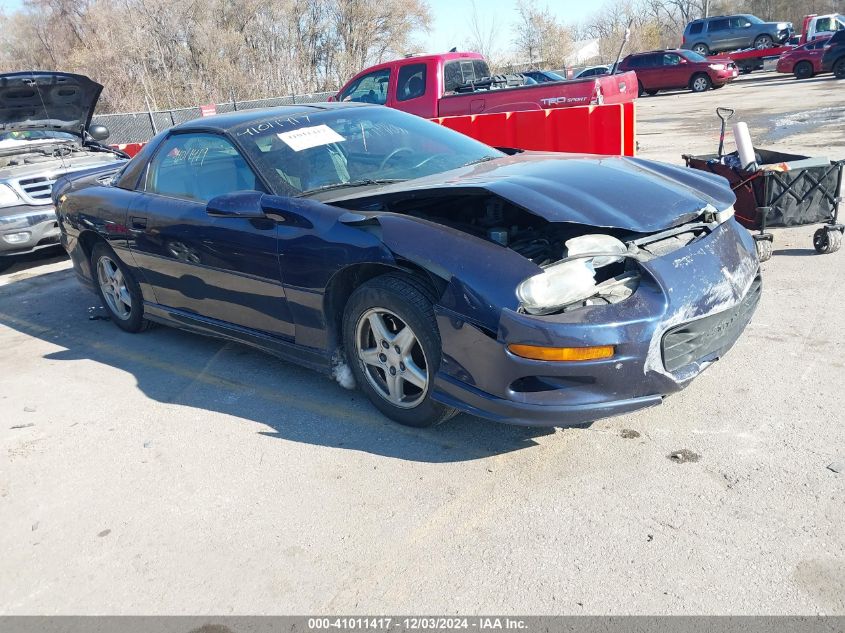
(535, 352)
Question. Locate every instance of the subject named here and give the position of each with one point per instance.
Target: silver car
(45, 132)
(733, 32)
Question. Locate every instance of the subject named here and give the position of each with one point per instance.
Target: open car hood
(47, 101)
(615, 192)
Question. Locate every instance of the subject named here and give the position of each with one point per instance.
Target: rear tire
(118, 290)
(839, 69)
(701, 49)
(763, 41)
(700, 83)
(803, 70)
(827, 240)
(640, 89)
(651, 93)
(393, 347)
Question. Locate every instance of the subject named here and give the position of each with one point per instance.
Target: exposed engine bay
(16, 154)
(582, 265)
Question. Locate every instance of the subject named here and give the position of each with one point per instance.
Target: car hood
(615, 192)
(47, 101)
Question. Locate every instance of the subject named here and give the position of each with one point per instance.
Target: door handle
(138, 223)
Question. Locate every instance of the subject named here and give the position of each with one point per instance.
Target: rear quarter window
(696, 28)
(721, 24)
(412, 82)
(647, 61)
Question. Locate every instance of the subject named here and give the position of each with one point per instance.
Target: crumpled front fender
(482, 276)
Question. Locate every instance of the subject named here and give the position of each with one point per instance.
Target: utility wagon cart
(784, 190)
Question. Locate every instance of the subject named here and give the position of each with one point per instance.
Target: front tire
(393, 347)
(765, 249)
(118, 290)
(827, 240)
(803, 70)
(700, 83)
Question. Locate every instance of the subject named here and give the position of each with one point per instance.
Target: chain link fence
(139, 127)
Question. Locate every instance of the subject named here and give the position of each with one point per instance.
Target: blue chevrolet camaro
(436, 273)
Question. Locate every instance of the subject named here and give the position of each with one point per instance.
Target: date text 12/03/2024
(416, 623)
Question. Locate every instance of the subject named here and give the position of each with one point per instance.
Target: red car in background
(675, 69)
(803, 61)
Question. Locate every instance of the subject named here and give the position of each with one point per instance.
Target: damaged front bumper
(690, 308)
(25, 229)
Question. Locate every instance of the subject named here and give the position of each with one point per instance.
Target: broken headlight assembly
(571, 282)
(711, 215)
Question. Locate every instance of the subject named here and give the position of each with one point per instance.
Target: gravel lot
(172, 474)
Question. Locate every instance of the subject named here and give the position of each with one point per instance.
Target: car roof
(662, 50)
(420, 59)
(239, 118)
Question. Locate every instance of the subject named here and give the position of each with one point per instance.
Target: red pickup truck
(454, 84)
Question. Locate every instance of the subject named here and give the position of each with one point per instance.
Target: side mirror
(98, 132)
(240, 204)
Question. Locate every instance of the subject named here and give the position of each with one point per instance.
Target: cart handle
(725, 113)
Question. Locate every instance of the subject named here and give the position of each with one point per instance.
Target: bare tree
(170, 53)
(483, 33)
(539, 37)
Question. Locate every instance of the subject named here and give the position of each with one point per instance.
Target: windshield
(356, 146)
(694, 57)
(754, 19)
(19, 137)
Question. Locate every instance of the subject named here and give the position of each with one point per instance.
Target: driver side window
(371, 88)
(198, 167)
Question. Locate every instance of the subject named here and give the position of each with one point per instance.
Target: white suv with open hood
(45, 132)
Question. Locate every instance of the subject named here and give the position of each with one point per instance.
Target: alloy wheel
(393, 360)
(700, 84)
(764, 41)
(113, 285)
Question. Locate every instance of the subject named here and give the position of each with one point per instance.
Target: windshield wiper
(354, 183)
(483, 159)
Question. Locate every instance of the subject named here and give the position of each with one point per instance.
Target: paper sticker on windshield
(307, 137)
